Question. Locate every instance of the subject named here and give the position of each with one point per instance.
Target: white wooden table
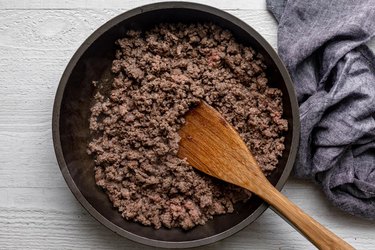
(37, 210)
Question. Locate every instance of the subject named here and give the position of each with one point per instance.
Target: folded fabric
(322, 43)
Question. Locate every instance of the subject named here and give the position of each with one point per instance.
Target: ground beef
(159, 75)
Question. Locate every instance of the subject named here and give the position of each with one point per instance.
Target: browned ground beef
(158, 76)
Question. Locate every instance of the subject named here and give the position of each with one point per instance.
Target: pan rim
(59, 97)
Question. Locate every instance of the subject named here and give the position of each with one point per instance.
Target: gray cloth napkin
(322, 44)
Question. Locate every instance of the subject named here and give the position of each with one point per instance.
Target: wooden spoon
(211, 145)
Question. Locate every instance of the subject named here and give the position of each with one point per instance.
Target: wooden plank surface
(37, 210)
(128, 4)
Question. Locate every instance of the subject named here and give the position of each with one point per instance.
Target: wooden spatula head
(211, 145)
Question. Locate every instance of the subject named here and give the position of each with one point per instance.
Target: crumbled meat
(159, 75)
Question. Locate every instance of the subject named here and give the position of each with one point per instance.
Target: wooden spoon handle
(320, 236)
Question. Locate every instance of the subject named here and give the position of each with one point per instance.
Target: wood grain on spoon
(211, 145)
